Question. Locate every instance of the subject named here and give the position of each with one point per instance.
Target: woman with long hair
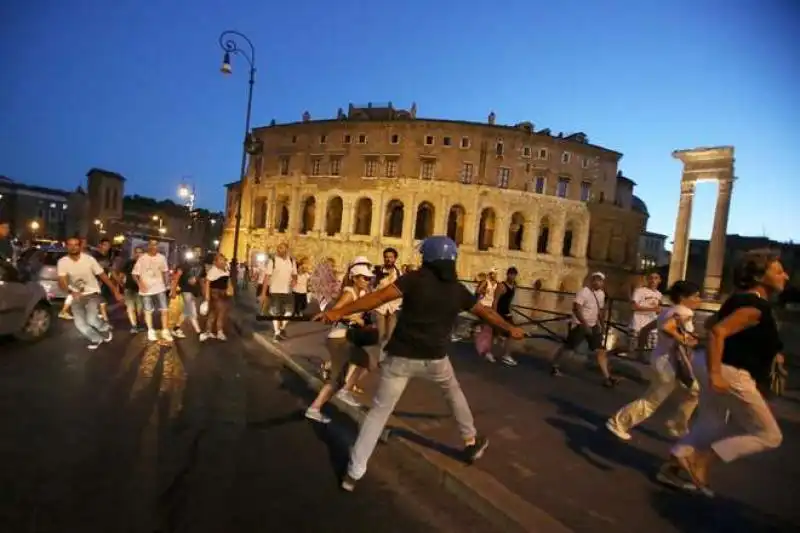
(675, 329)
(344, 353)
(217, 291)
(484, 334)
(742, 345)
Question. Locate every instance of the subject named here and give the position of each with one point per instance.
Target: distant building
(735, 247)
(652, 251)
(41, 212)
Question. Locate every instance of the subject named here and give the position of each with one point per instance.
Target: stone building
(377, 176)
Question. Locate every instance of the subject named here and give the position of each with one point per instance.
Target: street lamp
(35, 226)
(100, 227)
(161, 229)
(187, 194)
(228, 42)
(216, 243)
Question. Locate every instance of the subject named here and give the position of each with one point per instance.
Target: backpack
(292, 259)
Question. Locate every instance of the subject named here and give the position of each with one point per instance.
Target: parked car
(39, 264)
(25, 309)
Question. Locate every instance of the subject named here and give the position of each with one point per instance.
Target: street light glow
(189, 255)
(97, 222)
(226, 64)
(216, 243)
(34, 225)
(162, 230)
(183, 191)
(155, 218)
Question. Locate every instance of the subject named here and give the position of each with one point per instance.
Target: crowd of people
(410, 314)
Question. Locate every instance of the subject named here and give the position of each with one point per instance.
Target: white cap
(598, 274)
(360, 266)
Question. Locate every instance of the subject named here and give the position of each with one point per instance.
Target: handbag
(362, 336)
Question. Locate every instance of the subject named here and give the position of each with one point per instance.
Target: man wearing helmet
(432, 300)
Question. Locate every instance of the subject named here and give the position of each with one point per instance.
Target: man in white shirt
(386, 314)
(280, 278)
(78, 274)
(587, 324)
(646, 304)
(150, 273)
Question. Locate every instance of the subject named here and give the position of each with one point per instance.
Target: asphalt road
(196, 438)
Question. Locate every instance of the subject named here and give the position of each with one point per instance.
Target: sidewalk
(551, 466)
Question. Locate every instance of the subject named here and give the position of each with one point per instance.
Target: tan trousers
(662, 385)
(743, 405)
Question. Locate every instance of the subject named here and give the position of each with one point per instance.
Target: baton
(282, 318)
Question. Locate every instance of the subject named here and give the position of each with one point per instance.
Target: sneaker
(221, 336)
(611, 382)
(508, 360)
(64, 315)
(347, 397)
(670, 474)
(166, 335)
(134, 330)
(490, 357)
(475, 451)
(282, 335)
(205, 336)
(178, 333)
(348, 483)
(317, 416)
(109, 336)
(617, 430)
(152, 336)
(94, 345)
(674, 431)
(555, 372)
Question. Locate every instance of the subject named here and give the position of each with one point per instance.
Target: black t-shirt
(104, 260)
(754, 348)
(127, 269)
(430, 308)
(191, 270)
(6, 250)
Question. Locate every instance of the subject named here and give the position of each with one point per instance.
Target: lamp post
(187, 194)
(228, 42)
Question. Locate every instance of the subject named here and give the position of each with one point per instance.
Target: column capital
(725, 186)
(688, 187)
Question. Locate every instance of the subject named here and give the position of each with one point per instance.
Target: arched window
(566, 245)
(333, 216)
(393, 219)
(282, 214)
(544, 236)
(516, 231)
(309, 215)
(423, 225)
(455, 223)
(486, 229)
(362, 225)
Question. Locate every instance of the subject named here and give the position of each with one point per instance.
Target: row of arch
(394, 218)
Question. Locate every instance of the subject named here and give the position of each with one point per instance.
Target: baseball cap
(598, 274)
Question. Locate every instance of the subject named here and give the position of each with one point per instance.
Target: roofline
(504, 127)
(109, 173)
(232, 184)
(653, 234)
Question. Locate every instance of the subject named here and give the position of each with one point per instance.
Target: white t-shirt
(389, 307)
(81, 274)
(645, 297)
(301, 287)
(281, 271)
(487, 300)
(151, 268)
(666, 342)
(590, 302)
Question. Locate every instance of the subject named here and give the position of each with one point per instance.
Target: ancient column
(716, 248)
(555, 239)
(295, 213)
(680, 246)
(501, 234)
(581, 247)
(409, 220)
(347, 216)
(320, 213)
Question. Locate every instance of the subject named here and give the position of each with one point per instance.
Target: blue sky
(137, 90)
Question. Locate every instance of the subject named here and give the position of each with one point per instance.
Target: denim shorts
(153, 301)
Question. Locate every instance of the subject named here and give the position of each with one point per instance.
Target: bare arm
(206, 289)
(490, 316)
(576, 310)
(174, 286)
(105, 279)
(64, 284)
(369, 302)
(739, 320)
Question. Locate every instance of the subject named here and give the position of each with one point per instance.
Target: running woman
(675, 327)
(432, 300)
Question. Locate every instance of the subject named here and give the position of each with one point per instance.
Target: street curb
(477, 489)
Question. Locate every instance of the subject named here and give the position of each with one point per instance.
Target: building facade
(377, 176)
(652, 250)
(41, 212)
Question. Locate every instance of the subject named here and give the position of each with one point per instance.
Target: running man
(432, 300)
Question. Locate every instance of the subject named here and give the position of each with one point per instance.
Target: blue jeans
(189, 305)
(395, 373)
(85, 315)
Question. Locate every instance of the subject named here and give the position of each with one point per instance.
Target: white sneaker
(508, 360)
(205, 336)
(178, 333)
(614, 428)
(152, 336)
(348, 398)
(109, 336)
(317, 416)
(166, 335)
(221, 336)
(94, 346)
(490, 357)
